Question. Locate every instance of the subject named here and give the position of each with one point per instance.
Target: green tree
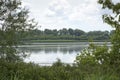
(47, 31)
(63, 31)
(55, 32)
(78, 32)
(13, 19)
(102, 55)
(113, 20)
(93, 55)
(99, 35)
(71, 31)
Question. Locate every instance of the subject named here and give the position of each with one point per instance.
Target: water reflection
(44, 53)
(53, 49)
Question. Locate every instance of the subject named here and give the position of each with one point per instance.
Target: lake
(48, 53)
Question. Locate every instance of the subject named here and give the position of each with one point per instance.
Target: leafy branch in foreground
(113, 20)
(103, 55)
(13, 19)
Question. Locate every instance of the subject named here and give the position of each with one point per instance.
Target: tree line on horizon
(67, 34)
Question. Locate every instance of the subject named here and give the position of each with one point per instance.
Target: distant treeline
(67, 34)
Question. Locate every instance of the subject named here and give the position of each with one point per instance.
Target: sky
(76, 14)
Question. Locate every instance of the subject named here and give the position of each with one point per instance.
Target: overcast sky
(77, 14)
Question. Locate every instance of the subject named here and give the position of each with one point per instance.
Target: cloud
(85, 12)
(62, 8)
(82, 14)
(58, 8)
(26, 4)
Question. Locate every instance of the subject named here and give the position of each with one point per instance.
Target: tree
(13, 19)
(47, 31)
(79, 32)
(63, 31)
(113, 20)
(102, 55)
(93, 55)
(71, 31)
(99, 35)
(55, 32)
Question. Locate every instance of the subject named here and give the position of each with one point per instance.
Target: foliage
(66, 34)
(103, 56)
(13, 19)
(113, 20)
(94, 54)
(31, 71)
(94, 63)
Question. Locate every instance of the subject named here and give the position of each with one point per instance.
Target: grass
(58, 71)
(56, 41)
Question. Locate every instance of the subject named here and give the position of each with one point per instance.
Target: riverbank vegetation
(58, 71)
(93, 63)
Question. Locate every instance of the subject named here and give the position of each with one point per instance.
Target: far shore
(34, 41)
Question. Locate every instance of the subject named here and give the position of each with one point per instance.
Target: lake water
(48, 53)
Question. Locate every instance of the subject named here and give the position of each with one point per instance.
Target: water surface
(48, 53)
